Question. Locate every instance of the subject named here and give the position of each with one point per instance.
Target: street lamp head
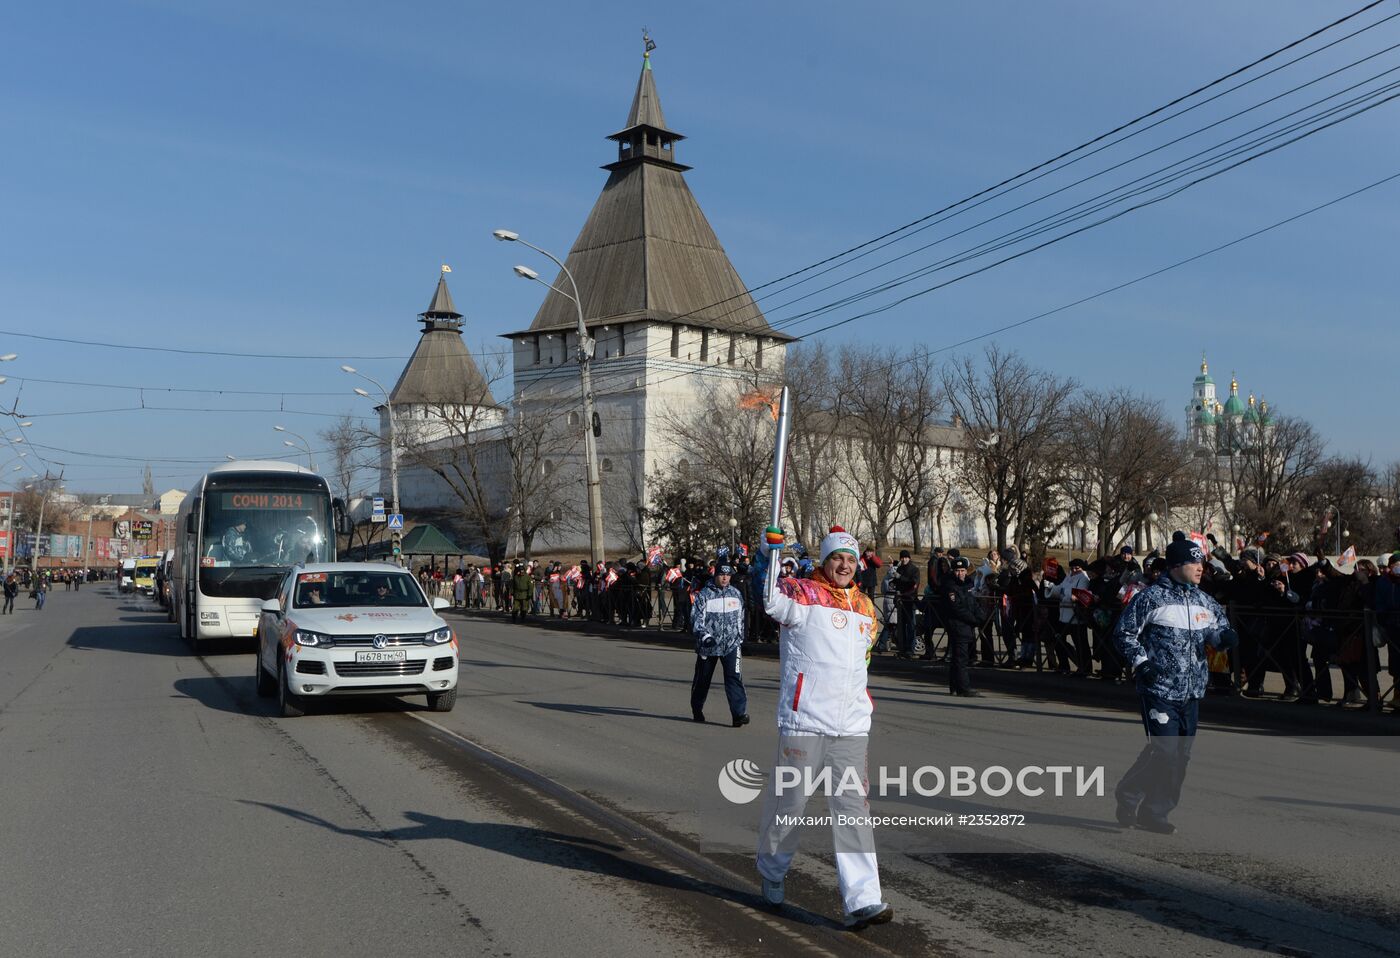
(733, 523)
(361, 392)
(8, 357)
(288, 442)
(1152, 517)
(280, 428)
(27, 423)
(348, 369)
(505, 236)
(4, 379)
(1079, 524)
(525, 272)
(231, 458)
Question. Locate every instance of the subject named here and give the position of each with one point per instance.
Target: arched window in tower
(704, 345)
(607, 465)
(683, 467)
(573, 419)
(537, 349)
(547, 467)
(733, 347)
(758, 354)
(675, 342)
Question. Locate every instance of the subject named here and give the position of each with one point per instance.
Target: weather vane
(648, 44)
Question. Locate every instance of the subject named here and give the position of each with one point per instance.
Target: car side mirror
(273, 606)
(441, 603)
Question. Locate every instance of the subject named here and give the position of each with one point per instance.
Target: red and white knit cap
(839, 540)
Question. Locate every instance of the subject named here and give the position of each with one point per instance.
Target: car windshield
(339, 590)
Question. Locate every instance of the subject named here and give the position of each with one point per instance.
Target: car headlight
(313, 639)
(440, 637)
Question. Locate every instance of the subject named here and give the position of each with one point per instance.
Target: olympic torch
(774, 539)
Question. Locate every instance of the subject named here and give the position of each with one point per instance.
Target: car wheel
(266, 688)
(288, 702)
(442, 701)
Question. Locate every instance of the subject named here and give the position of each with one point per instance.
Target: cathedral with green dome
(1216, 428)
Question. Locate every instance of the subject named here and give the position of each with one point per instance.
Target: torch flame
(759, 399)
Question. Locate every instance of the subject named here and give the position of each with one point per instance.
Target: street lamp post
(304, 447)
(733, 537)
(1165, 516)
(585, 358)
(393, 433)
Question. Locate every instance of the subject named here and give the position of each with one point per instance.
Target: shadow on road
(1349, 806)
(237, 695)
(164, 640)
(624, 711)
(540, 846)
(482, 664)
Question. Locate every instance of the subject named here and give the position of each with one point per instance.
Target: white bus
(243, 525)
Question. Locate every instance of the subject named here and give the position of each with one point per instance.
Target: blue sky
(287, 177)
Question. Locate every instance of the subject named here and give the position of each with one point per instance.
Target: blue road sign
(396, 521)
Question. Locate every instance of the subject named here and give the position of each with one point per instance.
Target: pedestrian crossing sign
(396, 520)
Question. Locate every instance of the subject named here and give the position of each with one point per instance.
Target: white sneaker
(876, 914)
(772, 891)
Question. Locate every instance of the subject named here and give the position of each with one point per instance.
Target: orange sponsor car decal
(312, 577)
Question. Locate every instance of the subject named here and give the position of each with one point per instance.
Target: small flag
(610, 579)
(1349, 556)
(654, 555)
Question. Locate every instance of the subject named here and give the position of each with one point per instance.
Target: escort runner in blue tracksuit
(1163, 632)
(717, 619)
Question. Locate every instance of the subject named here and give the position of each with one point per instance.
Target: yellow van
(146, 574)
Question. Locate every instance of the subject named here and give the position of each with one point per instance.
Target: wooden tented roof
(441, 370)
(646, 251)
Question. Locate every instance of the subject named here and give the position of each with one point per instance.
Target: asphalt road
(153, 806)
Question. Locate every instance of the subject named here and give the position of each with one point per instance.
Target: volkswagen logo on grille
(380, 641)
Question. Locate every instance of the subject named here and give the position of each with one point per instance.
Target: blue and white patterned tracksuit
(1168, 624)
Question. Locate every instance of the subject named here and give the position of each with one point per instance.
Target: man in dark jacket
(906, 583)
(960, 616)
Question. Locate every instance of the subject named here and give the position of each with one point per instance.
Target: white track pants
(857, 871)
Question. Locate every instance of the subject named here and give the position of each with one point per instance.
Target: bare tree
(536, 447)
(349, 444)
(922, 488)
(869, 439)
(1121, 450)
(1015, 417)
(728, 439)
(459, 442)
(1262, 471)
(811, 439)
(624, 512)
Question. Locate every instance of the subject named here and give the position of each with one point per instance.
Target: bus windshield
(256, 528)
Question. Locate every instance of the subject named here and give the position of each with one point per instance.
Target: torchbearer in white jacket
(828, 627)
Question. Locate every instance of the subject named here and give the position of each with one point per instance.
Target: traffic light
(396, 540)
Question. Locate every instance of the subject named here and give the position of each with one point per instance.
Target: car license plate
(388, 655)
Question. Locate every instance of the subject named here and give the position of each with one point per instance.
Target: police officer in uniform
(958, 608)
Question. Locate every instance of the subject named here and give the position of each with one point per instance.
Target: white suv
(347, 628)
